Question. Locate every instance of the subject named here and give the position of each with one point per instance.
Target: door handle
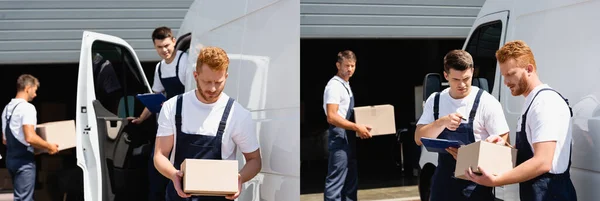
(113, 123)
(112, 128)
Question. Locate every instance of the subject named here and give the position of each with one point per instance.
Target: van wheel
(425, 181)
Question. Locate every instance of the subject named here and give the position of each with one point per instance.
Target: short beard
(523, 85)
(201, 92)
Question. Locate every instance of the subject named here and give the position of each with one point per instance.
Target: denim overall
(197, 146)
(341, 183)
(20, 163)
(444, 186)
(158, 182)
(548, 186)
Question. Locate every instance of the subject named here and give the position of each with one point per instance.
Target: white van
(563, 36)
(262, 40)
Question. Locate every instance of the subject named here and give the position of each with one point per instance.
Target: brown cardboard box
(493, 158)
(379, 117)
(210, 177)
(58, 132)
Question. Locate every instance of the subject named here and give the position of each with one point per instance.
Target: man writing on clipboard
(172, 71)
(464, 113)
(171, 74)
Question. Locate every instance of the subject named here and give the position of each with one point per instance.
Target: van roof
(520, 8)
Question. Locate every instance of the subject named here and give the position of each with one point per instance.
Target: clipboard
(439, 145)
(152, 101)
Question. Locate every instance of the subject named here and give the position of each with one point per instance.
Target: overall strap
(178, 113)
(546, 89)
(6, 109)
(566, 101)
(223, 121)
(524, 117)
(344, 87)
(436, 106)
(351, 101)
(8, 117)
(475, 105)
(472, 115)
(350, 111)
(570, 153)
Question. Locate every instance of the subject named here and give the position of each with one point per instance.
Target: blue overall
(197, 146)
(342, 175)
(172, 85)
(157, 181)
(20, 163)
(444, 186)
(548, 186)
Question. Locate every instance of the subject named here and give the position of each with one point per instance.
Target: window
(117, 79)
(482, 45)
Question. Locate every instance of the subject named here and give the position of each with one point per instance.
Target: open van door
(113, 154)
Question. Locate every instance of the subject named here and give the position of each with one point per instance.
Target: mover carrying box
(57, 132)
(210, 177)
(379, 117)
(493, 158)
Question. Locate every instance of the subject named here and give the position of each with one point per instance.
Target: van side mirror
(431, 84)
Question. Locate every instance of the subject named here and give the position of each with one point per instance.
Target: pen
(461, 116)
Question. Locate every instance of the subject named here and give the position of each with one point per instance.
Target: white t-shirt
(489, 117)
(186, 74)
(548, 119)
(201, 118)
(336, 93)
(24, 114)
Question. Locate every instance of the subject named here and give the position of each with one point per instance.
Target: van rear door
(113, 153)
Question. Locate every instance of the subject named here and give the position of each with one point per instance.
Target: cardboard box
(58, 132)
(379, 117)
(210, 177)
(493, 158)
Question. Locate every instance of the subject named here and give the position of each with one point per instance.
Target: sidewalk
(403, 193)
(6, 196)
